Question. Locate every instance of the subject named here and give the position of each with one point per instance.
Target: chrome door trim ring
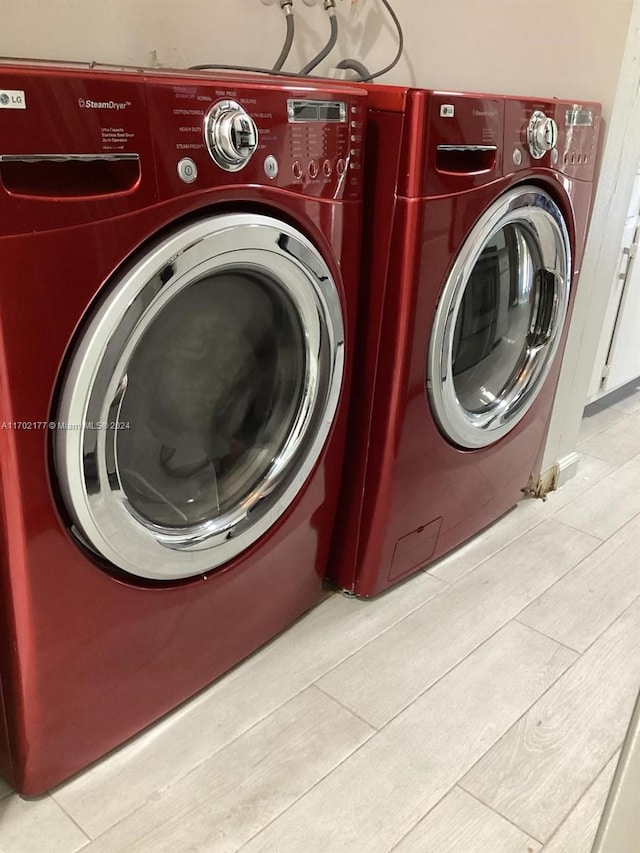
(534, 208)
(96, 381)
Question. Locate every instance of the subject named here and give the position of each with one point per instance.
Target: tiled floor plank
(577, 609)
(597, 418)
(542, 766)
(226, 800)
(461, 823)
(388, 673)
(625, 399)
(618, 443)
(27, 826)
(577, 833)
(381, 791)
(606, 509)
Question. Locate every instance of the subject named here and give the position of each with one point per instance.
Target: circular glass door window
(499, 319)
(213, 367)
(213, 389)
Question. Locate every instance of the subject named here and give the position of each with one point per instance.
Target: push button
(313, 169)
(187, 170)
(297, 170)
(341, 166)
(327, 168)
(271, 167)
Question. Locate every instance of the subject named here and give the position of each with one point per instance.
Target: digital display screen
(332, 111)
(305, 112)
(579, 118)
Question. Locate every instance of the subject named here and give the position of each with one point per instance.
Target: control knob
(542, 134)
(231, 135)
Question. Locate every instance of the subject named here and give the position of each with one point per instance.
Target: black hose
(286, 48)
(326, 50)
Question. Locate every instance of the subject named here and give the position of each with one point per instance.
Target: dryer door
(200, 396)
(500, 318)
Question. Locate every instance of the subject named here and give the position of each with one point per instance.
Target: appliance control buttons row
(313, 168)
(580, 159)
(355, 137)
(573, 159)
(187, 170)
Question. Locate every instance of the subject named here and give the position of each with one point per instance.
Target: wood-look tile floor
(479, 707)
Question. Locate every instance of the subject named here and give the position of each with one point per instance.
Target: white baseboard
(567, 468)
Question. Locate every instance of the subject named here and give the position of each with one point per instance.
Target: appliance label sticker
(12, 99)
(447, 111)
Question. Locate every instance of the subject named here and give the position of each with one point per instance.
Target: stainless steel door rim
(86, 459)
(539, 238)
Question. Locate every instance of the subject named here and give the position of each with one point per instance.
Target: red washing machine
(177, 307)
(476, 213)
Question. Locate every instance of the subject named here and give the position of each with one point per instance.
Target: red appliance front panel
(410, 495)
(88, 656)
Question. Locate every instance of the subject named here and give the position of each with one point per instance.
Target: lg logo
(12, 99)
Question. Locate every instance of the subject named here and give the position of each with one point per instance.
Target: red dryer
(177, 309)
(476, 210)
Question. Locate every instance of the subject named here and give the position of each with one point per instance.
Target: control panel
(551, 134)
(293, 136)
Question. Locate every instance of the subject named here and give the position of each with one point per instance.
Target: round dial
(542, 134)
(231, 135)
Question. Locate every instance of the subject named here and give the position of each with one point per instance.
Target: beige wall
(567, 48)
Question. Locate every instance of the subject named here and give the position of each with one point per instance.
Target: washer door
(200, 396)
(500, 318)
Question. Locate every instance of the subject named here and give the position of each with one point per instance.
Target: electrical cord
(330, 7)
(287, 8)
